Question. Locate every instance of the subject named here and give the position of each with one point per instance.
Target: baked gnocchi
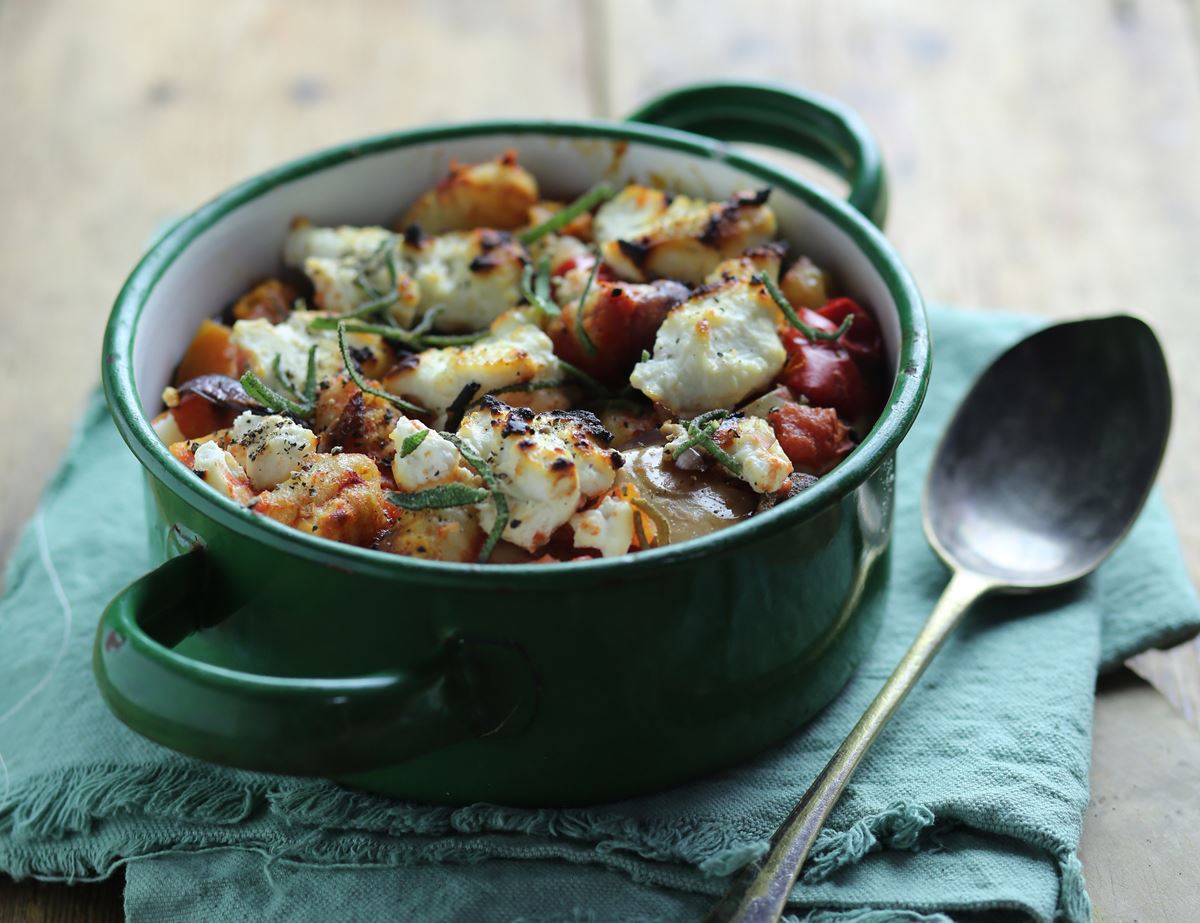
(500, 377)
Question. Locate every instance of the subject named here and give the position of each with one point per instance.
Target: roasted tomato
(621, 319)
(813, 437)
(862, 340)
(826, 375)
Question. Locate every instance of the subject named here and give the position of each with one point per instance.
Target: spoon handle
(761, 889)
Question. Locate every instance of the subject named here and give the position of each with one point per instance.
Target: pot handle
(300, 725)
(801, 122)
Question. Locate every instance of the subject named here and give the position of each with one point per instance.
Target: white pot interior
(244, 245)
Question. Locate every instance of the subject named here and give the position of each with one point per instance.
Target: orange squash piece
(211, 352)
(272, 300)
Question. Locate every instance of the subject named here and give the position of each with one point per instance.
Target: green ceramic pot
(261, 647)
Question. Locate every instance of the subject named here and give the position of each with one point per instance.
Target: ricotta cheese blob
(515, 352)
(262, 342)
(269, 448)
(608, 528)
(435, 460)
(548, 465)
(751, 445)
(714, 350)
(222, 472)
(469, 277)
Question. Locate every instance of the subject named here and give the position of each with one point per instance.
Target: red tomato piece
(621, 320)
(813, 437)
(818, 322)
(862, 340)
(826, 375)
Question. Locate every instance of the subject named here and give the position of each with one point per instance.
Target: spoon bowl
(1047, 461)
(1040, 474)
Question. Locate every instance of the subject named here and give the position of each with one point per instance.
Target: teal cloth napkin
(969, 807)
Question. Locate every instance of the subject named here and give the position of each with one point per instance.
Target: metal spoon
(1038, 477)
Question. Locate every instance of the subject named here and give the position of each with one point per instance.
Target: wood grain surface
(1140, 833)
(1043, 158)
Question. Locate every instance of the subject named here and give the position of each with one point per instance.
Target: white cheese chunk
(593, 459)
(472, 277)
(751, 444)
(360, 243)
(261, 341)
(343, 262)
(436, 460)
(269, 448)
(713, 350)
(556, 249)
(607, 528)
(547, 464)
(167, 429)
(338, 287)
(676, 435)
(222, 472)
(515, 352)
(333, 283)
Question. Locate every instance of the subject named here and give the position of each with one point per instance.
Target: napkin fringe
(714, 852)
(69, 802)
(1074, 905)
(59, 805)
(900, 826)
(869, 915)
(909, 826)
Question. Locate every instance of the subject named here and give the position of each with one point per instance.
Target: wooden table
(1044, 157)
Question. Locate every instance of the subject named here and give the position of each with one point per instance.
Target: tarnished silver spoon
(1039, 476)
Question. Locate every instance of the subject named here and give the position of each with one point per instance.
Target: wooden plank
(1140, 837)
(41, 902)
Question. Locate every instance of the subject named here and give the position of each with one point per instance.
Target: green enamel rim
(902, 407)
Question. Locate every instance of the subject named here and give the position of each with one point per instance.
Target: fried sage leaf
(440, 497)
